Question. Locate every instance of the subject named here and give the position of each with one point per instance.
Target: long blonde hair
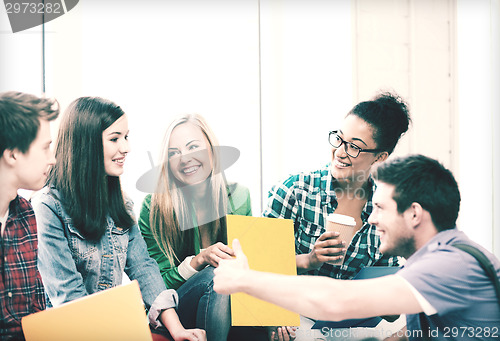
(170, 217)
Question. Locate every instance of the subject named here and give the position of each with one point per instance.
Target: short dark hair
(88, 193)
(423, 180)
(389, 116)
(20, 115)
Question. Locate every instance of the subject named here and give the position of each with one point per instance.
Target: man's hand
(230, 274)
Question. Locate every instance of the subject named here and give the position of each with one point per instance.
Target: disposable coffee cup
(345, 226)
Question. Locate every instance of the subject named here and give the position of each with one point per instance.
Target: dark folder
(364, 273)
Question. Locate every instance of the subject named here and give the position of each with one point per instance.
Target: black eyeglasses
(350, 148)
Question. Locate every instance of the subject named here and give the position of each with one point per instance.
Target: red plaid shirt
(21, 289)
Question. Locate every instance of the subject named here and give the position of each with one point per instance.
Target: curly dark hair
(389, 116)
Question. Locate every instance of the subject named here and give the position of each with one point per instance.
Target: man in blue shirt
(443, 291)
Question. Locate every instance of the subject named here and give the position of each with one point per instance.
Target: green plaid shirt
(307, 198)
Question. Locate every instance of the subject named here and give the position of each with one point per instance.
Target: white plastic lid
(341, 219)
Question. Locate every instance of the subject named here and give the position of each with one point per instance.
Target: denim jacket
(73, 267)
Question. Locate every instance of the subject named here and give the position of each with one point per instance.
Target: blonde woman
(184, 225)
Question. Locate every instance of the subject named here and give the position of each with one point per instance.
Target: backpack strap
(424, 327)
(484, 262)
(488, 268)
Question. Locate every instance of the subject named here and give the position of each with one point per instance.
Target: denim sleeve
(167, 299)
(145, 270)
(61, 279)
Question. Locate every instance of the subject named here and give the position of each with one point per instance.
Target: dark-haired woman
(367, 136)
(87, 234)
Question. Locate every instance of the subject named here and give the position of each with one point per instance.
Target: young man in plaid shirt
(25, 157)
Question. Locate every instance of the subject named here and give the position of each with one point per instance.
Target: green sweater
(239, 200)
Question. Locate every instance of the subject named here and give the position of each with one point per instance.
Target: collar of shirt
(438, 241)
(12, 212)
(328, 190)
(3, 220)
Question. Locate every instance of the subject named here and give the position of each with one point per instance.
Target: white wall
(494, 91)
(408, 47)
(271, 77)
(21, 67)
(161, 59)
(306, 83)
(442, 55)
(20, 58)
(478, 104)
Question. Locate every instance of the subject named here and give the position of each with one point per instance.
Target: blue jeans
(201, 307)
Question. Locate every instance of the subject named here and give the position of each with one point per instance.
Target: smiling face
(397, 235)
(115, 146)
(32, 167)
(189, 154)
(360, 133)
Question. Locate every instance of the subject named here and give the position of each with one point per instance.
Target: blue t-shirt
(454, 283)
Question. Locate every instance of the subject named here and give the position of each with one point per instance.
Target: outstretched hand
(230, 274)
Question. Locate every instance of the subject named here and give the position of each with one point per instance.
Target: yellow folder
(269, 246)
(113, 314)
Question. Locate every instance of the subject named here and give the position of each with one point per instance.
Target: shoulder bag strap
(485, 264)
(487, 267)
(424, 327)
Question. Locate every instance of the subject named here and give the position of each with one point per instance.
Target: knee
(207, 278)
(206, 275)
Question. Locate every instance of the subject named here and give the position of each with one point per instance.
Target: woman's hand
(211, 256)
(328, 248)
(171, 321)
(191, 335)
(281, 333)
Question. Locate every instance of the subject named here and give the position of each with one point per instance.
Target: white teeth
(341, 164)
(190, 170)
(120, 161)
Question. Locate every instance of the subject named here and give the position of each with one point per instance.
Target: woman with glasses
(367, 136)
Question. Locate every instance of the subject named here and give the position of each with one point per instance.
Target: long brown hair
(88, 194)
(170, 217)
